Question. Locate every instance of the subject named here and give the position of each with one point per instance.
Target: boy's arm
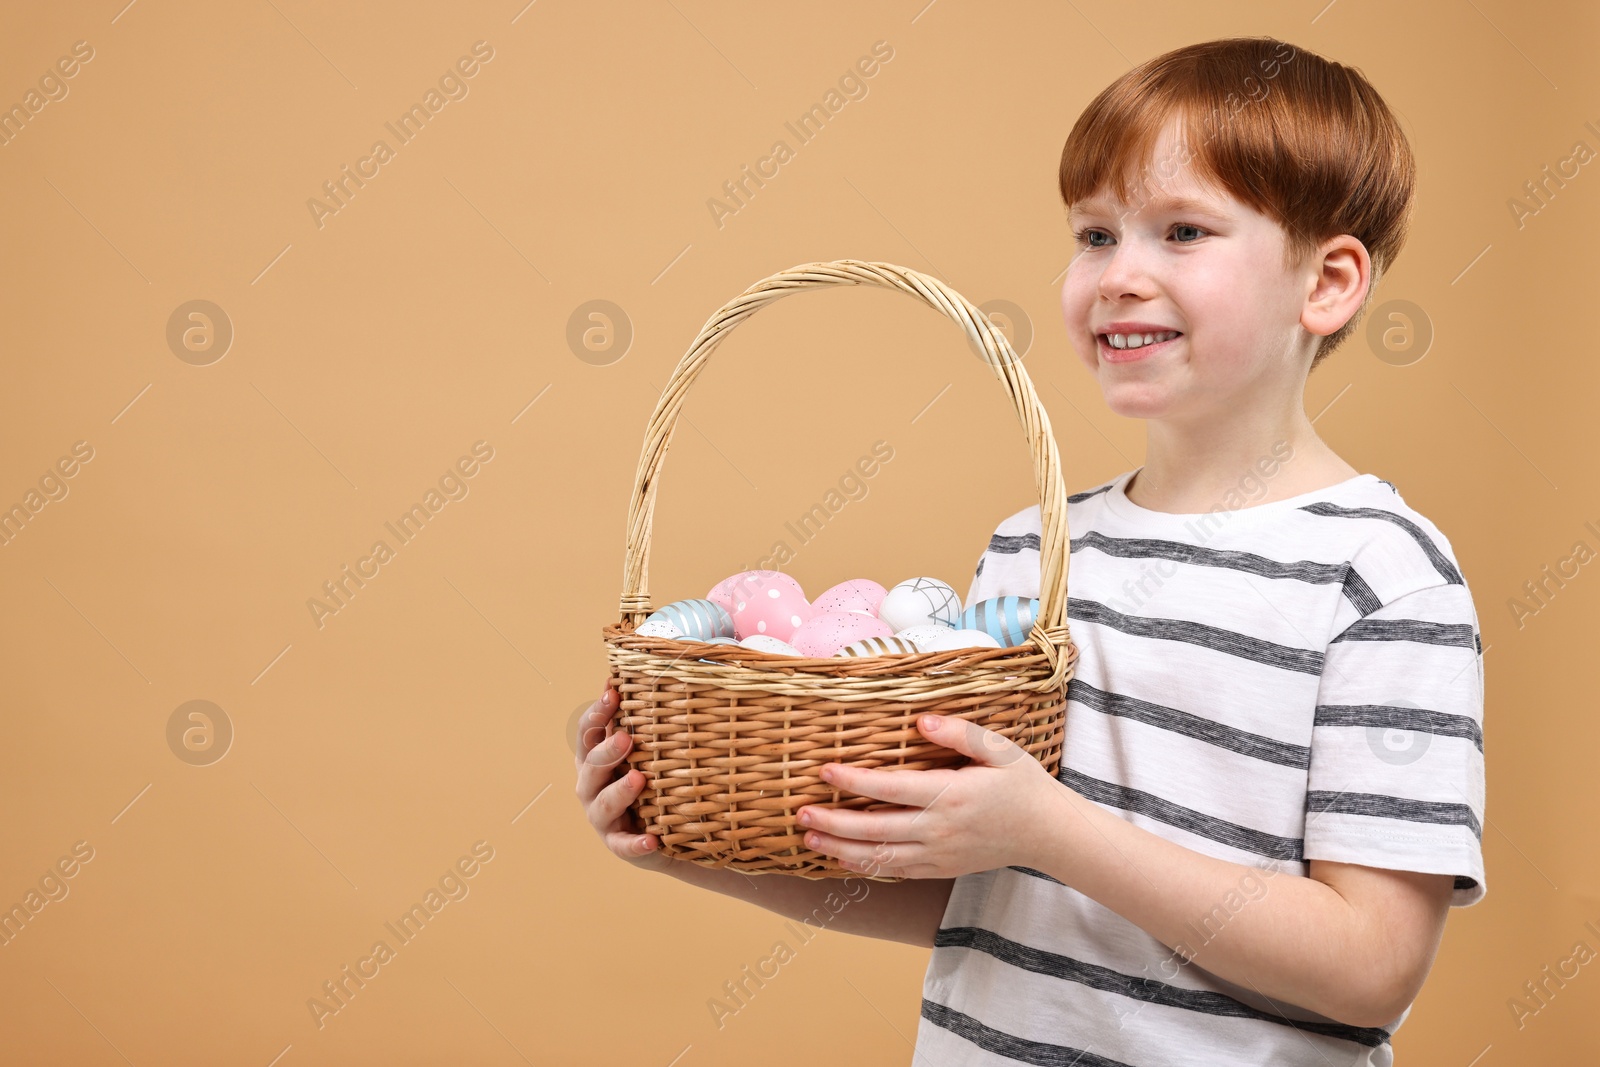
(1395, 785)
(908, 912)
(1350, 942)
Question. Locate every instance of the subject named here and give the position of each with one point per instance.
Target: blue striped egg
(697, 620)
(1007, 619)
(878, 646)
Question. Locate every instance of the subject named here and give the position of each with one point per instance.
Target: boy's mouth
(1126, 347)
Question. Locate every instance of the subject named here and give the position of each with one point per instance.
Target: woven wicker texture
(730, 739)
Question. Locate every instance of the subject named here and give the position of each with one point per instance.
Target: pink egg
(746, 584)
(828, 632)
(858, 594)
(774, 608)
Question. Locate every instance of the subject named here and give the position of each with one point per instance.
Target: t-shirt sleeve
(1396, 778)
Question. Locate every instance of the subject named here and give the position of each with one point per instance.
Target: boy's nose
(1124, 272)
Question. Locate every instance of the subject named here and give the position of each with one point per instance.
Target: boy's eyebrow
(1159, 203)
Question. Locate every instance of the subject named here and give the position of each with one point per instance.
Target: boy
(1272, 786)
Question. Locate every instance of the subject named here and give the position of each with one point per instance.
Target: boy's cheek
(1078, 295)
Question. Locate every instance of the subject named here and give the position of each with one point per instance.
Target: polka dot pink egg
(746, 585)
(776, 609)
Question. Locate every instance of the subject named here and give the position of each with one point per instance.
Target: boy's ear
(1340, 272)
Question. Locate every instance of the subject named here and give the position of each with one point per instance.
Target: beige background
(432, 310)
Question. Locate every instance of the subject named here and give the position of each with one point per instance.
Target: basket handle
(997, 352)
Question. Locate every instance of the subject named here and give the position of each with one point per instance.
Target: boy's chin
(1138, 400)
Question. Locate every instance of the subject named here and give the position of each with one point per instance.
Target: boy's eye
(1184, 232)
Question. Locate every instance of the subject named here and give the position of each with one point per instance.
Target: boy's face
(1212, 269)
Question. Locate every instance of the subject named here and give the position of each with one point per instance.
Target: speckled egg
(920, 602)
(1007, 619)
(824, 634)
(858, 594)
(654, 627)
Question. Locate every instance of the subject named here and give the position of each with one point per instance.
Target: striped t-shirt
(1297, 680)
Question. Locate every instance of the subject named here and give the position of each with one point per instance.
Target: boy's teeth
(1134, 340)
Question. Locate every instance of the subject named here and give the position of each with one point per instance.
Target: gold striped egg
(877, 646)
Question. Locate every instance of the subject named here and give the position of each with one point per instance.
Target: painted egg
(763, 643)
(773, 608)
(718, 641)
(654, 627)
(697, 620)
(920, 602)
(858, 594)
(741, 586)
(1007, 619)
(921, 635)
(878, 646)
(951, 640)
(823, 635)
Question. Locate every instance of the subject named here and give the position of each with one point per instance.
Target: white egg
(921, 635)
(920, 602)
(764, 643)
(659, 628)
(954, 639)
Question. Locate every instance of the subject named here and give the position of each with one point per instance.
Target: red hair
(1302, 139)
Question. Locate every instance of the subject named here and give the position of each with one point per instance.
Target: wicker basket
(730, 739)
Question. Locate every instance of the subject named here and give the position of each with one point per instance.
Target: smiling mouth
(1138, 340)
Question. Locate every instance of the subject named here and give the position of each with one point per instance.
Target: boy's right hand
(606, 799)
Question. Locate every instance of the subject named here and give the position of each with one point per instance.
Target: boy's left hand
(980, 817)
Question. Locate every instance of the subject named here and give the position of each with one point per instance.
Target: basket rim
(1044, 663)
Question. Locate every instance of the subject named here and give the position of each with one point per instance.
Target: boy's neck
(1189, 470)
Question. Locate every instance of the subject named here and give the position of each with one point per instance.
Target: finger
(872, 857)
(592, 727)
(605, 811)
(968, 738)
(631, 846)
(595, 772)
(599, 714)
(913, 789)
(882, 825)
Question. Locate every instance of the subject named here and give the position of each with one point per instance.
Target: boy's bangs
(1112, 152)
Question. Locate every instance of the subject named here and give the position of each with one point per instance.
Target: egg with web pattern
(920, 602)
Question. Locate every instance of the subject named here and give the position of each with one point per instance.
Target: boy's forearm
(1290, 938)
(907, 912)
